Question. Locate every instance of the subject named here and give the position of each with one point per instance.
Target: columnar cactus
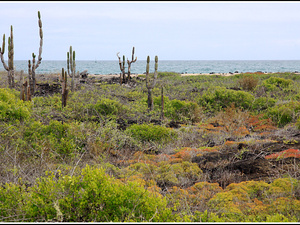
(10, 67)
(122, 68)
(71, 65)
(162, 103)
(22, 92)
(150, 84)
(123, 79)
(32, 79)
(65, 91)
(133, 60)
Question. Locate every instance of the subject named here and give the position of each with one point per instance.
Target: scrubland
(221, 149)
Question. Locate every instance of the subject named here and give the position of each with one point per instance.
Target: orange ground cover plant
(295, 153)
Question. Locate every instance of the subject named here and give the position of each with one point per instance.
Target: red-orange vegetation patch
(259, 124)
(209, 150)
(230, 143)
(187, 153)
(241, 131)
(138, 157)
(211, 128)
(293, 153)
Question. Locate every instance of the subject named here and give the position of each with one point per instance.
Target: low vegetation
(212, 149)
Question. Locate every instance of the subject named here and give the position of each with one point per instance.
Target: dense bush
(57, 138)
(285, 113)
(217, 98)
(151, 132)
(183, 111)
(273, 82)
(11, 107)
(92, 196)
(107, 107)
(263, 103)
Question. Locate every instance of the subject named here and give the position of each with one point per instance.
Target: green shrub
(263, 103)
(283, 83)
(178, 110)
(64, 139)
(12, 202)
(107, 107)
(283, 114)
(11, 107)
(274, 83)
(150, 132)
(217, 98)
(92, 196)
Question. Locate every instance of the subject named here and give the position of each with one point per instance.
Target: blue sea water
(180, 66)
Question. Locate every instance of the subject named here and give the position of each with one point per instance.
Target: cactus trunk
(71, 65)
(65, 91)
(162, 103)
(35, 65)
(148, 85)
(129, 64)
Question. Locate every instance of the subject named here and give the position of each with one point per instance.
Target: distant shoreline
(186, 74)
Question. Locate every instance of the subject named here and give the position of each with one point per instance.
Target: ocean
(179, 66)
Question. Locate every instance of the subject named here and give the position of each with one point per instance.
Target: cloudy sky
(195, 30)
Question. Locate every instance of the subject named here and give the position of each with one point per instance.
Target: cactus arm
(71, 58)
(11, 49)
(155, 72)
(68, 63)
(41, 41)
(71, 65)
(3, 45)
(74, 64)
(120, 62)
(147, 72)
(2, 53)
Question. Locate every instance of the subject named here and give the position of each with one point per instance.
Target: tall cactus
(71, 65)
(32, 78)
(122, 68)
(133, 60)
(65, 91)
(150, 84)
(162, 103)
(10, 67)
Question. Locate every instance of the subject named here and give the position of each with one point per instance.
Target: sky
(172, 30)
